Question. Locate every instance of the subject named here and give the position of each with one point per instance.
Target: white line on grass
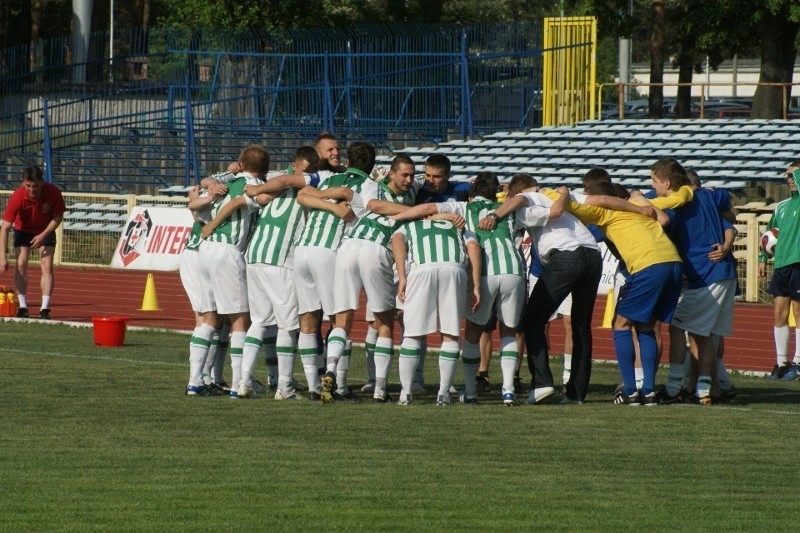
(93, 357)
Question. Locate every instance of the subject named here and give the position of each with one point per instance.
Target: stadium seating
(728, 153)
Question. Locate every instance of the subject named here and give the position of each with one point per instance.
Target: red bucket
(109, 330)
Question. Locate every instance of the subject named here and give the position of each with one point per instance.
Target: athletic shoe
(198, 390)
(663, 397)
(566, 400)
(443, 399)
(453, 389)
(650, 399)
(540, 394)
(518, 385)
(217, 390)
(44, 314)
(328, 382)
(369, 386)
(233, 395)
(462, 398)
(382, 399)
(702, 400)
(288, 395)
(348, 396)
(22, 312)
(404, 400)
(247, 392)
(482, 384)
(621, 398)
(792, 374)
(509, 399)
(776, 374)
(259, 387)
(314, 396)
(418, 388)
(727, 395)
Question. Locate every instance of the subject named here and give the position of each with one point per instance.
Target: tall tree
(778, 24)
(36, 23)
(657, 43)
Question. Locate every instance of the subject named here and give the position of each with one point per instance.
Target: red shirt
(33, 216)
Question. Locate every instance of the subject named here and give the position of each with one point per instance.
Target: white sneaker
(369, 386)
(443, 399)
(417, 388)
(537, 395)
(405, 399)
(246, 392)
(288, 395)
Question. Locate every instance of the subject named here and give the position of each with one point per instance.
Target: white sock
(509, 352)
(409, 357)
(781, 344)
(369, 352)
(252, 345)
(198, 352)
(419, 375)
(208, 367)
(236, 349)
(567, 368)
(270, 355)
(285, 348)
(448, 360)
(342, 367)
(22, 300)
(796, 345)
(336, 343)
(639, 372)
(470, 359)
(307, 346)
(45, 302)
(703, 386)
(384, 350)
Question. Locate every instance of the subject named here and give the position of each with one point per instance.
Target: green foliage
(103, 438)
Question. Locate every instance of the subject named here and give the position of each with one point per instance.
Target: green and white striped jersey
(236, 228)
(500, 256)
(279, 225)
(323, 228)
(379, 228)
(435, 241)
(194, 239)
(205, 215)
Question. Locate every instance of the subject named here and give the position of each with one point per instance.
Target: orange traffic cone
(150, 300)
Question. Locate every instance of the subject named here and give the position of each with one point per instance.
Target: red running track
(83, 293)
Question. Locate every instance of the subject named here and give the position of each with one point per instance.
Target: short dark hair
(361, 155)
(694, 179)
(401, 159)
(519, 182)
(620, 191)
(254, 159)
(594, 176)
(439, 161)
(32, 173)
(668, 168)
(601, 187)
(485, 184)
(308, 154)
(795, 163)
(324, 136)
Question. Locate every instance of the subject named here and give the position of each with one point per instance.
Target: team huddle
(272, 255)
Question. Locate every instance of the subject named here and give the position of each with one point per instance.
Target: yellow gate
(569, 70)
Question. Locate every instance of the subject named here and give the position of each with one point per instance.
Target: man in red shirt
(35, 210)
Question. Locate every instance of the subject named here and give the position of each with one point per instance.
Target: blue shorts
(786, 282)
(22, 239)
(651, 293)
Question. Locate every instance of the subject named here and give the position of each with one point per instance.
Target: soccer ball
(769, 240)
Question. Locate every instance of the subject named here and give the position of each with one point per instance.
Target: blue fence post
(348, 83)
(48, 152)
(327, 104)
(191, 148)
(466, 96)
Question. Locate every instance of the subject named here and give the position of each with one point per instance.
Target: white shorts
(565, 309)
(272, 296)
(224, 268)
(363, 264)
(435, 291)
(314, 277)
(200, 294)
(707, 310)
(508, 291)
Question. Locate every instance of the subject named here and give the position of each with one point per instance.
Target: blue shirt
(458, 191)
(695, 228)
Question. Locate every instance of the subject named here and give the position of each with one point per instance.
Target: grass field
(103, 438)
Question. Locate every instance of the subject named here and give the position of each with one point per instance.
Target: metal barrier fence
(94, 242)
